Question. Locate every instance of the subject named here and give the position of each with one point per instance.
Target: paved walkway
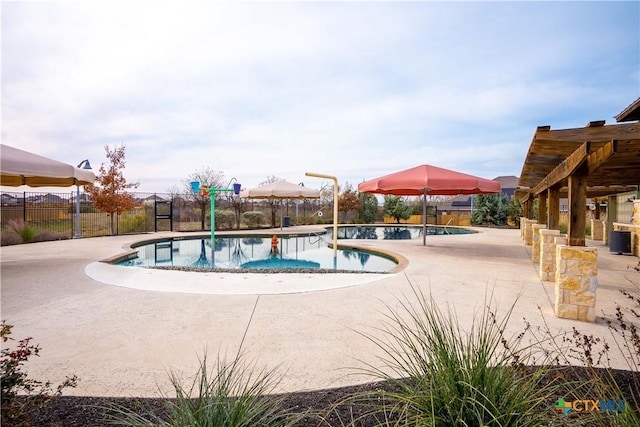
(122, 341)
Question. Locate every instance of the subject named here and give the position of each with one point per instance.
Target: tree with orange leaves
(110, 195)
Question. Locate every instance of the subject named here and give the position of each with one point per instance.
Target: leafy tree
(348, 201)
(396, 207)
(111, 195)
(206, 176)
(237, 205)
(514, 210)
(490, 209)
(368, 207)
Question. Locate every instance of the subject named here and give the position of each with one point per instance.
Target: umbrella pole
(424, 218)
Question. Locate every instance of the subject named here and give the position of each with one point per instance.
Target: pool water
(393, 232)
(294, 252)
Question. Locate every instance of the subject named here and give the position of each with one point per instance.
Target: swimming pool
(393, 232)
(255, 252)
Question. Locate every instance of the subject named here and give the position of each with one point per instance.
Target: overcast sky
(350, 89)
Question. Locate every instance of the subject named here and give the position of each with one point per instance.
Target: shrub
(132, 223)
(451, 376)
(16, 411)
(47, 236)
(225, 219)
(26, 232)
(253, 219)
(593, 352)
(8, 238)
(235, 394)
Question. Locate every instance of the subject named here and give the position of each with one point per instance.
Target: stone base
(548, 254)
(535, 244)
(576, 282)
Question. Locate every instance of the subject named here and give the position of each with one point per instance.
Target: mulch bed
(322, 408)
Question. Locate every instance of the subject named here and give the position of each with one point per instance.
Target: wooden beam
(564, 169)
(596, 123)
(601, 155)
(577, 207)
(597, 134)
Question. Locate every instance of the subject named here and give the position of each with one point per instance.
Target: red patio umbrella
(426, 180)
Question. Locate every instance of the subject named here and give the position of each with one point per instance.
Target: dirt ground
(320, 408)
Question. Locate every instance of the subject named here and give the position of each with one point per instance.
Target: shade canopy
(19, 167)
(429, 180)
(426, 180)
(280, 190)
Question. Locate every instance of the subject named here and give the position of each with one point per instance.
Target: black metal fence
(74, 214)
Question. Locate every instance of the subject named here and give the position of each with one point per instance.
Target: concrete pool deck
(122, 341)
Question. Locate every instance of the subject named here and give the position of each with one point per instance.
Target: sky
(349, 89)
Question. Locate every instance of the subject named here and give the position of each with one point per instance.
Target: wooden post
(528, 208)
(577, 207)
(553, 217)
(612, 216)
(542, 208)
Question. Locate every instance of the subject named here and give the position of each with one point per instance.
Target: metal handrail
(445, 227)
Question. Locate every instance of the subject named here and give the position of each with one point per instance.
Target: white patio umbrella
(19, 167)
(280, 190)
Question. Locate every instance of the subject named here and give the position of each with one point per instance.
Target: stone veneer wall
(548, 254)
(576, 280)
(528, 234)
(597, 229)
(535, 241)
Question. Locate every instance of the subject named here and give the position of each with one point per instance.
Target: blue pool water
(393, 232)
(244, 252)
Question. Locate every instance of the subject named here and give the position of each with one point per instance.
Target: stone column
(548, 254)
(597, 229)
(576, 282)
(605, 233)
(528, 236)
(535, 244)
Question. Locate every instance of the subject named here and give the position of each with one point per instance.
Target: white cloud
(352, 89)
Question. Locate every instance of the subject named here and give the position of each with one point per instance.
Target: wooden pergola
(590, 162)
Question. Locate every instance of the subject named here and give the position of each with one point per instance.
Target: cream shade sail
(19, 167)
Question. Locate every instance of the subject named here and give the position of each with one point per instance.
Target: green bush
(253, 219)
(132, 223)
(225, 219)
(490, 209)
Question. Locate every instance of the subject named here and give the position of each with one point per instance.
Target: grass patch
(450, 376)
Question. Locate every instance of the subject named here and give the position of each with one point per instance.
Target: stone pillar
(528, 236)
(576, 282)
(605, 232)
(535, 244)
(597, 229)
(522, 222)
(548, 254)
